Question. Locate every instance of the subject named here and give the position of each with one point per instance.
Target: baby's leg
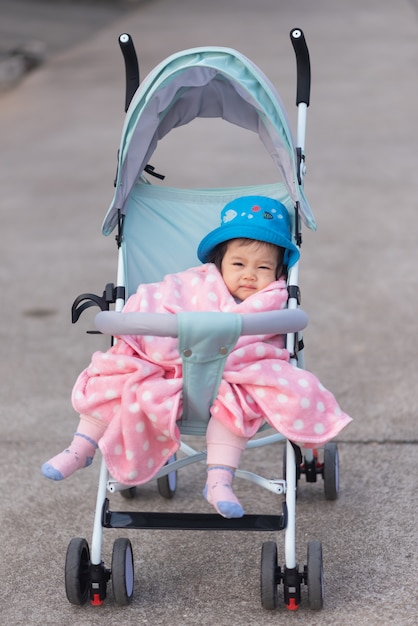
(224, 450)
(80, 453)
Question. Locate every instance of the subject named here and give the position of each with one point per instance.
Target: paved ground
(59, 130)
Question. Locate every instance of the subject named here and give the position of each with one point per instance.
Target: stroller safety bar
(166, 325)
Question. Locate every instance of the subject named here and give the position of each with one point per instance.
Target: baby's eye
(265, 267)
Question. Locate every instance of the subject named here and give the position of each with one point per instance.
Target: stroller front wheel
(315, 576)
(77, 579)
(122, 571)
(270, 576)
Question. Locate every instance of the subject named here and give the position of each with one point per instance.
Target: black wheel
(330, 471)
(315, 576)
(128, 493)
(77, 563)
(167, 484)
(270, 575)
(122, 571)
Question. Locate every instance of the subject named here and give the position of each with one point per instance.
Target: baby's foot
(218, 492)
(80, 454)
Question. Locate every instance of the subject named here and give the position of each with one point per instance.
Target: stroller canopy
(204, 82)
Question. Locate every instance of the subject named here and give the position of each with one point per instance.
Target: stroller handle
(131, 67)
(166, 324)
(303, 66)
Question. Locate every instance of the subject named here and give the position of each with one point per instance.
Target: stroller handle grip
(303, 66)
(166, 324)
(131, 67)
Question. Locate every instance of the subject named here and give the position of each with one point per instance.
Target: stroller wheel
(315, 576)
(167, 484)
(270, 576)
(330, 471)
(77, 580)
(128, 493)
(122, 571)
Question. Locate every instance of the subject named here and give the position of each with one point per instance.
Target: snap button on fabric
(223, 350)
(187, 352)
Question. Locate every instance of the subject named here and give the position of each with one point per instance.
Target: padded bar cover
(166, 324)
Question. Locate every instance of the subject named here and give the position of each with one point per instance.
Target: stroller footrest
(191, 521)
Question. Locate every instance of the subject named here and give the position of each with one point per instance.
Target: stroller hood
(204, 82)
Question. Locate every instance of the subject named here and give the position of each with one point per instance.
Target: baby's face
(248, 267)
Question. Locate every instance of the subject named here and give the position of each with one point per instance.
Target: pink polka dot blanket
(136, 386)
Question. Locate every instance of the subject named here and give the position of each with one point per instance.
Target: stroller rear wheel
(122, 571)
(315, 576)
(331, 471)
(270, 576)
(77, 579)
(167, 484)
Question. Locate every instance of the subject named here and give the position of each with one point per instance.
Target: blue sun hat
(252, 217)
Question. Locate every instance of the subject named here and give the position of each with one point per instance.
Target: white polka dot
(158, 295)
(161, 438)
(279, 352)
(134, 407)
(129, 455)
(298, 424)
(249, 399)
(152, 417)
(96, 414)
(168, 404)
(145, 447)
(255, 366)
(276, 367)
(229, 397)
(260, 351)
(134, 387)
(305, 403)
(118, 450)
(157, 356)
(303, 382)
(140, 426)
(320, 406)
(282, 398)
(150, 463)
(321, 386)
(240, 352)
(147, 395)
(260, 393)
(165, 452)
(212, 296)
(257, 304)
(116, 408)
(283, 381)
(337, 411)
(211, 278)
(319, 428)
(177, 293)
(78, 395)
(120, 363)
(148, 338)
(133, 474)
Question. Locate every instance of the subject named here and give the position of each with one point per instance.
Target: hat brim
(226, 233)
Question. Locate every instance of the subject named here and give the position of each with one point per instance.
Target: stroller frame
(86, 577)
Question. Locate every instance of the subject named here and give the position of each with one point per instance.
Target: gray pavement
(60, 129)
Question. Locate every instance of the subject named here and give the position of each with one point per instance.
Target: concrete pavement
(60, 130)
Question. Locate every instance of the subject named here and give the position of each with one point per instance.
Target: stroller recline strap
(205, 341)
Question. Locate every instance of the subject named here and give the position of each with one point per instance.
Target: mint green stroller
(202, 82)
